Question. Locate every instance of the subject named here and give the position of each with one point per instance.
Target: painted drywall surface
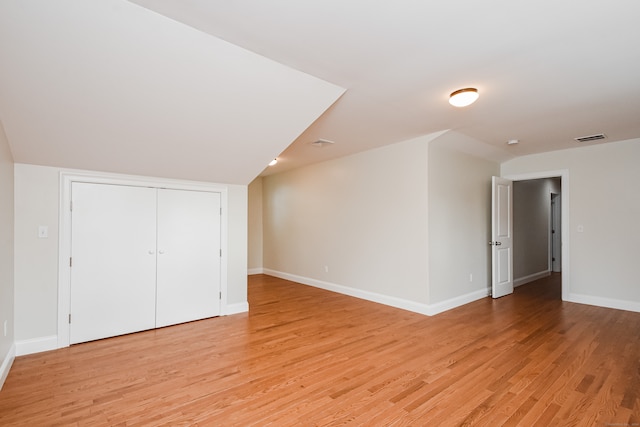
(359, 221)
(6, 247)
(459, 221)
(36, 260)
(237, 243)
(531, 220)
(255, 226)
(604, 184)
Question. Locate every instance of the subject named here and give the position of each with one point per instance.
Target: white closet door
(113, 243)
(188, 272)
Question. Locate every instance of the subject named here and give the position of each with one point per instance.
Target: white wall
(255, 227)
(36, 260)
(7, 349)
(364, 217)
(237, 246)
(405, 225)
(459, 222)
(604, 184)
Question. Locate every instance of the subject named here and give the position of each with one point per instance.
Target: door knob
(160, 252)
(151, 252)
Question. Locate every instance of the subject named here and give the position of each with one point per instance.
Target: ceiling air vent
(591, 138)
(321, 143)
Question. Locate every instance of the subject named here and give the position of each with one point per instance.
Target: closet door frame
(64, 268)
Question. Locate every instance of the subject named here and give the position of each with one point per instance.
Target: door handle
(495, 243)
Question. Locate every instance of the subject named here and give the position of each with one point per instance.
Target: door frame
(563, 174)
(64, 243)
(555, 239)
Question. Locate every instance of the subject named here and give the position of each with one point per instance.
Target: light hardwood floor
(308, 357)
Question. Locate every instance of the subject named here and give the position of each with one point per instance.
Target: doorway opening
(559, 194)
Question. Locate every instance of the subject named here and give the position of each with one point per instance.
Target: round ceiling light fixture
(273, 162)
(463, 97)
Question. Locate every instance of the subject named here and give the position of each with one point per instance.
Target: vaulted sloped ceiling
(547, 70)
(166, 87)
(111, 86)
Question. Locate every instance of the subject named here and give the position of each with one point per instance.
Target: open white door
(501, 237)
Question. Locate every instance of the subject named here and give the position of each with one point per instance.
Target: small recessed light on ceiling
(273, 162)
(513, 141)
(463, 97)
(321, 143)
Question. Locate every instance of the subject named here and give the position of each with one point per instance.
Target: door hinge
(69, 318)
(70, 261)
(220, 211)
(71, 206)
(220, 294)
(220, 253)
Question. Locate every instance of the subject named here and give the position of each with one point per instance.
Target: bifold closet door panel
(113, 244)
(188, 275)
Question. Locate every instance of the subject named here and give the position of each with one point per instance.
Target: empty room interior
(319, 213)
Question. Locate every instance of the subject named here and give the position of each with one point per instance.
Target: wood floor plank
(307, 357)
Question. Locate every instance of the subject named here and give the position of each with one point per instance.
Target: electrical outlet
(5, 328)
(326, 268)
(471, 277)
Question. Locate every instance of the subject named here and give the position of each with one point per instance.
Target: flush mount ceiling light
(273, 162)
(513, 141)
(463, 97)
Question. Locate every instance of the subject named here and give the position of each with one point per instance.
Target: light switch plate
(43, 232)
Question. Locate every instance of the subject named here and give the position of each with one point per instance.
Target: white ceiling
(111, 86)
(547, 72)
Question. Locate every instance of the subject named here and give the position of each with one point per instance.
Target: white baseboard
(604, 302)
(449, 304)
(6, 364)
(416, 307)
(253, 271)
(530, 278)
(36, 345)
(241, 307)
